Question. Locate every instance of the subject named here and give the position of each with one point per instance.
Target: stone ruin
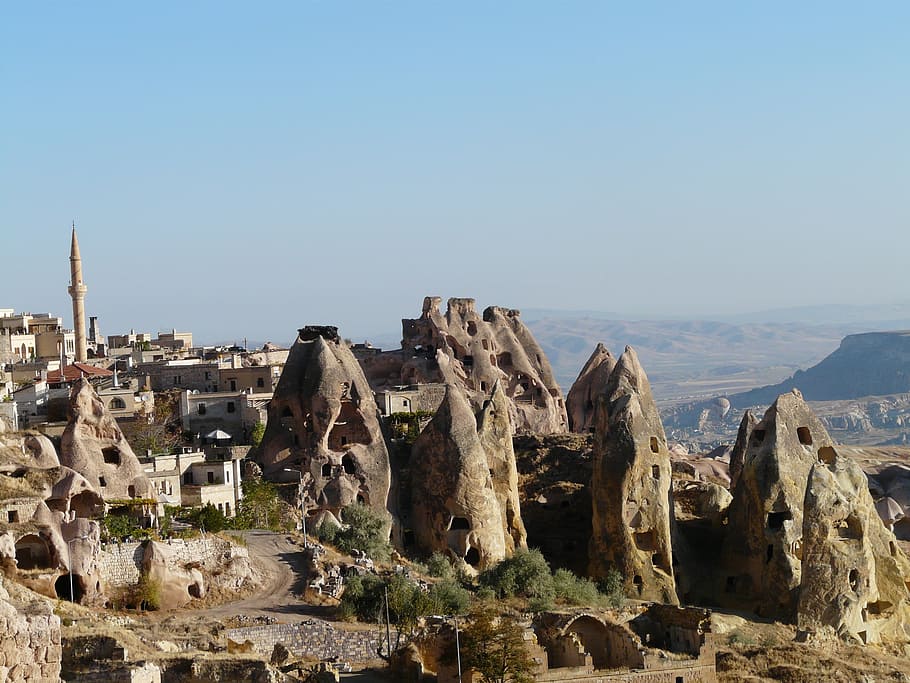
(465, 483)
(592, 382)
(324, 427)
(473, 352)
(93, 445)
(630, 487)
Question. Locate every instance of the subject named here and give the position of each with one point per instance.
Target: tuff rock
(631, 487)
(591, 382)
(323, 422)
(455, 507)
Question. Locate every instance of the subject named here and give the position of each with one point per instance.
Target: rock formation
(324, 424)
(495, 432)
(93, 445)
(763, 547)
(455, 508)
(178, 585)
(853, 576)
(474, 352)
(591, 383)
(632, 506)
(738, 454)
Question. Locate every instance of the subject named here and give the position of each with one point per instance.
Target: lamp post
(457, 646)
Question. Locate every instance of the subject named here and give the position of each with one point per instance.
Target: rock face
(591, 383)
(93, 445)
(178, 585)
(455, 508)
(474, 352)
(323, 422)
(495, 432)
(853, 575)
(763, 547)
(738, 454)
(632, 506)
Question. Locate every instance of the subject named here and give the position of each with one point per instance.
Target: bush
(612, 587)
(525, 575)
(439, 566)
(363, 598)
(148, 593)
(257, 433)
(208, 518)
(448, 597)
(573, 590)
(364, 530)
(260, 507)
(117, 527)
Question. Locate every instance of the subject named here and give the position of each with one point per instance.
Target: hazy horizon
(238, 171)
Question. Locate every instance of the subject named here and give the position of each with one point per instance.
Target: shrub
(439, 566)
(448, 597)
(612, 587)
(260, 507)
(364, 530)
(573, 590)
(119, 526)
(526, 575)
(208, 518)
(148, 593)
(363, 598)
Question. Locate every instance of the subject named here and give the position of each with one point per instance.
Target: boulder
(324, 424)
(591, 383)
(495, 432)
(455, 507)
(93, 445)
(632, 505)
(177, 584)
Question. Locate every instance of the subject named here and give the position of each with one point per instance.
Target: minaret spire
(77, 290)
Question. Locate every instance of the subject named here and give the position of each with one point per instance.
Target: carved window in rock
(472, 557)
(654, 444)
(349, 428)
(327, 469)
(12, 516)
(758, 435)
(286, 412)
(655, 471)
(33, 552)
(472, 328)
(853, 579)
(111, 455)
(347, 463)
(827, 455)
(459, 524)
(804, 436)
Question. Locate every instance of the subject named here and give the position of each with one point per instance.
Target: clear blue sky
(246, 168)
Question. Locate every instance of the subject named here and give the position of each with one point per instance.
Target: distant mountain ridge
(868, 364)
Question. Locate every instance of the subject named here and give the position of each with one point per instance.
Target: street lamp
(457, 646)
(69, 552)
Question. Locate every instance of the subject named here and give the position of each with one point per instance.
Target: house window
(208, 375)
(231, 407)
(227, 476)
(201, 409)
(233, 385)
(188, 478)
(12, 516)
(211, 477)
(117, 403)
(260, 382)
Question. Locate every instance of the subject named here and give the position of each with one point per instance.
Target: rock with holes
(630, 488)
(763, 547)
(324, 424)
(93, 445)
(591, 383)
(473, 352)
(167, 580)
(853, 576)
(495, 432)
(455, 508)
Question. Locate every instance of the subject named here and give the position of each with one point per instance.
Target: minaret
(77, 291)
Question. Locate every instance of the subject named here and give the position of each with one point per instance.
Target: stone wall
(121, 563)
(315, 638)
(30, 642)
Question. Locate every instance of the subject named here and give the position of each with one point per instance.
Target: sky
(243, 169)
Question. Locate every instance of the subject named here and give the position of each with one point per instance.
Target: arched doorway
(62, 587)
(33, 552)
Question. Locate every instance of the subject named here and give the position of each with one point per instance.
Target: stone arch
(34, 552)
(117, 403)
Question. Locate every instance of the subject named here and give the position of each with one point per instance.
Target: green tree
(257, 433)
(364, 529)
(612, 587)
(260, 507)
(494, 646)
(117, 527)
(525, 575)
(208, 518)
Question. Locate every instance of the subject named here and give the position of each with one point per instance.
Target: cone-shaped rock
(763, 545)
(631, 484)
(455, 508)
(495, 433)
(738, 454)
(591, 383)
(323, 422)
(93, 445)
(853, 575)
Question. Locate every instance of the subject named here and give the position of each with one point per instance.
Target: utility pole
(388, 633)
(457, 646)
